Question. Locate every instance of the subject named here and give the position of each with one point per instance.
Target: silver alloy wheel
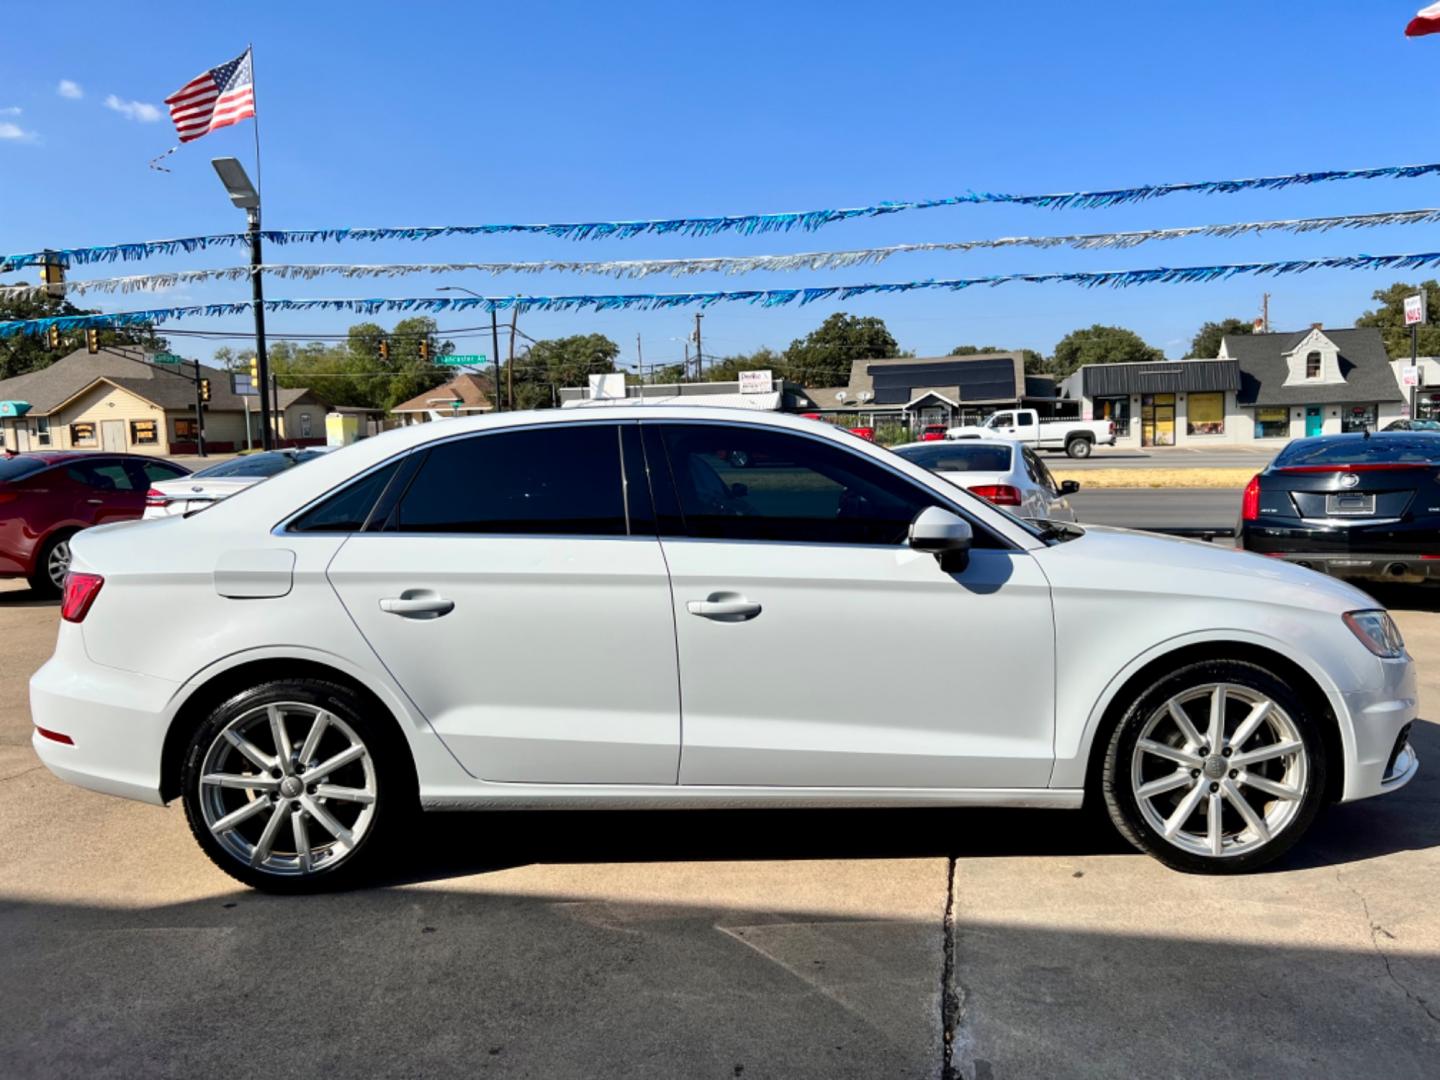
(261, 790)
(57, 563)
(1219, 770)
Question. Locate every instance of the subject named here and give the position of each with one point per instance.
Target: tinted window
(551, 480)
(156, 471)
(102, 475)
(14, 468)
(1418, 447)
(267, 464)
(741, 483)
(960, 456)
(347, 509)
(1043, 472)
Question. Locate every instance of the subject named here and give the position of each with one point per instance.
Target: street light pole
(262, 359)
(494, 340)
(243, 194)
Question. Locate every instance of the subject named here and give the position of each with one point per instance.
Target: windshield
(16, 468)
(251, 465)
(959, 457)
(1419, 448)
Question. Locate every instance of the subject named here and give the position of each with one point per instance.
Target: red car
(47, 497)
(933, 433)
(866, 433)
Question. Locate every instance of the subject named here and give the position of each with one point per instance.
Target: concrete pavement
(1148, 507)
(1167, 457)
(724, 944)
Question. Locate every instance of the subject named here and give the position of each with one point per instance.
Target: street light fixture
(494, 336)
(243, 194)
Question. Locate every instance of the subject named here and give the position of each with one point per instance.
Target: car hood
(1137, 562)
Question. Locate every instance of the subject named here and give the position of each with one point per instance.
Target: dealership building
(1261, 387)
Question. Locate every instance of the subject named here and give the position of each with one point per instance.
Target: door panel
(556, 664)
(112, 435)
(866, 667)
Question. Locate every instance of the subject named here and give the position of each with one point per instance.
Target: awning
(762, 402)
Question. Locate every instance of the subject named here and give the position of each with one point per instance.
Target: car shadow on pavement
(461, 844)
(26, 597)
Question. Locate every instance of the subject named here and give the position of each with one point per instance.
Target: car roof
(979, 440)
(1360, 436)
(52, 457)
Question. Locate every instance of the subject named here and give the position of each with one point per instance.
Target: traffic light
(384, 351)
(52, 337)
(204, 389)
(424, 350)
(52, 274)
(92, 340)
(255, 373)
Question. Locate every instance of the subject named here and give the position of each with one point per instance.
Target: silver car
(1006, 473)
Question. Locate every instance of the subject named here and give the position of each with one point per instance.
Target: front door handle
(96, 502)
(417, 604)
(724, 607)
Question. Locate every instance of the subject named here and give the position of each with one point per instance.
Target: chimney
(1317, 326)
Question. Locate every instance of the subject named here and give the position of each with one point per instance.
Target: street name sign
(461, 360)
(166, 358)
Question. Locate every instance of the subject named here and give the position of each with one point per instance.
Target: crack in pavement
(1375, 930)
(951, 1000)
(22, 772)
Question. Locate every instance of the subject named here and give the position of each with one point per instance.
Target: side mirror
(1069, 487)
(945, 535)
(739, 491)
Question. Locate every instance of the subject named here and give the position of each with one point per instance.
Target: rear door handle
(724, 607)
(417, 604)
(96, 502)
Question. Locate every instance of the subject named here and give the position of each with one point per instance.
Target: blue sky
(455, 113)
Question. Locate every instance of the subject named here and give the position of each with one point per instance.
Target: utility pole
(1414, 364)
(1265, 313)
(495, 348)
(699, 355)
(685, 370)
(510, 365)
(199, 413)
(640, 362)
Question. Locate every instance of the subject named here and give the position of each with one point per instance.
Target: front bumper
(115, 719)
(1377, 757)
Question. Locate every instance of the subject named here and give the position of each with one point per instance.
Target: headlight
(1377, 632)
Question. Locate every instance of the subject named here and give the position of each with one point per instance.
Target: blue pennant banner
(763, 297)
(745, 224)
(729, 264)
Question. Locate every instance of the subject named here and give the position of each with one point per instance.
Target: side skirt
(641, 797)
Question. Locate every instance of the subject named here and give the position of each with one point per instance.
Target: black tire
(395, 798)
(1079, 447)
(41, 583)
(1117, 784)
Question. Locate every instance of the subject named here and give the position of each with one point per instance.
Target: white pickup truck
(1076, 437)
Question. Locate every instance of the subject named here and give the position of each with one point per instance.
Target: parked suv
(47, 497)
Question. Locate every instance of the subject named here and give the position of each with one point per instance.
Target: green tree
(823, 357)
(1100, 345)
(1035, 363)
(23, 353)
(569, 361)
(352, 372)
(728, 369)
(1389, 319)
(1206, 343)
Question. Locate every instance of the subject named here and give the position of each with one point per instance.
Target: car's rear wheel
(295, 786)
(1078, 448)
(51, 567)
(1218, 768)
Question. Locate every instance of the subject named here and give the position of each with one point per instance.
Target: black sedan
(1355, 506)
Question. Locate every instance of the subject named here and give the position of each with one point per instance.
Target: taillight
(1110, 428)
(1250, 504)
(999, 494)
(156, 497)
(80, 592)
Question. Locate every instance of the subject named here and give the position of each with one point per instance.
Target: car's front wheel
(294, 786)
(1218, 768)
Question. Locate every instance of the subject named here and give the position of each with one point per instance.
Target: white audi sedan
(607, 608)
(1005, 473)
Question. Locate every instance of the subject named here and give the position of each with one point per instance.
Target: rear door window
(549, 480)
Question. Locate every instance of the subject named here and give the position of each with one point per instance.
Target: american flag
(220, 97)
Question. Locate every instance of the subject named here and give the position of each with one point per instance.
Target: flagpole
(255, 119)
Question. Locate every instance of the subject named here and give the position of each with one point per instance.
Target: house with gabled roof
(119, 399)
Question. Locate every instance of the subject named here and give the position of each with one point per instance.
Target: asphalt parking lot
(716, 944)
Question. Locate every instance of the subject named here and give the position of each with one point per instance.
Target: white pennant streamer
(733, 265)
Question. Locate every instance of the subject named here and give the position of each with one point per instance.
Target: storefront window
(82, 434)
(186, 430)
(1357, 418)
(42, 430)
(1205, 414)
(1427, 407)
(144, 432)
(1116, 409)
(1272, 423)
